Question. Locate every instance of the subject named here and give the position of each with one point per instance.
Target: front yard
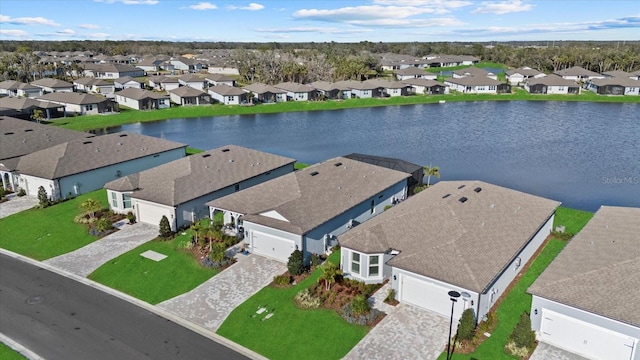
(45, 233)
(291, 333)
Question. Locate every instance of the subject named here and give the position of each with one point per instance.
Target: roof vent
(206, 155)
(462, 199)
(337, 164)
(225, 150)
(28, 130)
(8, 133)
(461, 186)
(230, 160)
(123, 135)
(314, 173)
(446, 196)
(478, 189)
(87, 142)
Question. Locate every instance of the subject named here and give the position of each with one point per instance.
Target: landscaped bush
(21, 193)
(522, 337)
(391, 296)
(315, 260)
(466, 326)
(306, 300)
(361, 319)
(131, 217)
(43, 197)
(360, 305)
(295, 265)
(513, 349)
(103, 224)
(282, 280)
(165, 228)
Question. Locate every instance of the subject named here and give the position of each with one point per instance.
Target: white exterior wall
(486, 89)
(515, 79)
(32, 93)
(223, 70)
(295, 96)
(251, 228)
(51, 90)
(118, 207)
(170, 86)
(31, 184)
(227, 100)
(394, 92)
(129, 102)
(363, 94)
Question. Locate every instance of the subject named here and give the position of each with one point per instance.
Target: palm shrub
(165, 228)
(306, 300)
(295, 265)
(466, 326)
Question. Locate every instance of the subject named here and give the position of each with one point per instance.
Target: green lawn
(7, 353)
(193, 151)
(299, 165)
(518, 301)
(291, 333)
(45, 233)
(154, 281)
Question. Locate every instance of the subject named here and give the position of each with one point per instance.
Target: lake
(583, 154)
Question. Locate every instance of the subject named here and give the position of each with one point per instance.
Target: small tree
(90, 207)
(37, 115)
(522, 334)
(217, 252)
(431, 171)
(466, 326)
(330, 273)
(103, 225)
(295, 265)
(43, 197)
(165, 228)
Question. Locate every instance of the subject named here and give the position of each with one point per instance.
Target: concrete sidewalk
(545, 351)
(88, 258)
(16, 204)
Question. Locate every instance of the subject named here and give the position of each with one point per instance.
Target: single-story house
(96, 86)
(520, 75)
(111, 71)
(139, 99)
(297, 92)
(416, 171)
(438, 60)
(393, 61)
(265, 93)
(223, 67)
(80, 103)
(618, 74)
(17, 88)
(180, 189)
(386, 88)
(168, 83)
(359, 89)
(220, 79)
(426, 86)
(473, 71)
(227, 95)
(307, 209)
(552, 84)
(477, 85)
(469, 236)
(186, 95)
(127, 82)
(614, 86)
(21, 137)
(185, 64)
(578, 74)
(586, 300)
(83, 165)
(49, 85)
(635, 75)
(149, 64)
(332, 90)
(23, 108)
(192, 80)
(414, 73)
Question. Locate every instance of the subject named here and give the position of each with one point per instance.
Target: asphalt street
(60, 318)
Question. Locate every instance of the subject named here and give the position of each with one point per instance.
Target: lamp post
(453, 295)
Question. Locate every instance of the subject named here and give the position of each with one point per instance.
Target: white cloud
(368, 12)
(444, 4)
(66, 32)
(129, 2)
(13, 33)
(203, 6)
(99, 36)
(317, 30)
(250, 7)
(503, 7)
(27, 21)
(89, 26)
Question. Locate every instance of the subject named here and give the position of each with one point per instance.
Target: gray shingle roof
(576, 71)
(598, 265)
(197, 175)
(422, 82)
(523, 71)
(308, 201)
(82, 155)
(73, 98)
(552, 80)
(411, 71)
(472, 71)
(259, 88)
(466, 243)
(52, 83)
(226, 90)
(187, 91)
(15, 85)
(473, 81)
(620, 81)
(294, 87)
(139, 94)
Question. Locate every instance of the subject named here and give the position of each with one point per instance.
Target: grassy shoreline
(128, 116)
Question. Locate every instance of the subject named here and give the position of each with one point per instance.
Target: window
(374, 265)
(126, 200)
(88, 107)
(355, 263)
(237, 187)
(373, 206)
(114, 200)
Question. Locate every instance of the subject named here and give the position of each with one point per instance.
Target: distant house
(386, 88)
(552, 84)
(469, 236)
(585, 301)
(139, 99)
(186, 65)
(331, 90)
(220, 79)
(477, 85)
(17, 88)
(127, 82)
(296, 91)
(392, 62)
(414, 73)
(192, 80)
(359, 89)
(81, 104)
(426, 87)
(112, 71)
(79, 166)
(520, 75)
(578, 74)
(618, 74)
(473, 71)
(308, 208)
(227, 95)
(437, 60)
(265, 93)
(614, 86)
(150, 64)
(168, 83)
(185, 95)
(49, 85)
(222, 67)
(180, 189)
(96, 86)
(635, 75)
(23, 108)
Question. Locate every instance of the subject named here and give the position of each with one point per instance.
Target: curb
(19, 348)
(151, 308)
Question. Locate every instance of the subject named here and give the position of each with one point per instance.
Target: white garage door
(585, 339)
(151, 214)
(272, 246)
(429, 296)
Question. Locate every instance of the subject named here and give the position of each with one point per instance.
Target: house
(413, 73)
(635, 75)
(82, 104)
(79, 166)
(185, 95)
(297, 92)
(149, 64)
(222, 67)
(220, 79)
(168, 83)
(469, 236)
(426, 87)
(437, 60)
(20, 137)
(139, 99)
(192, 80)
(392, 62)
(187, 65)
(16, 88)
(23, 108)
(265, 93)
(618, 74)
(227, 95)
(359, 89)
(49, 85)
(308, 208)
(585, 301)
(127, 82)
(416, 171)
(179, 189)
(155, 82)
(552, 84)
(520, 75)
(578, 74)
(329, 90)
(477, 85)
(96, 86)
(386, 88)
(112, 71)
(473, 71)
(614, 86)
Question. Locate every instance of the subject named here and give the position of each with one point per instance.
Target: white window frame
(114, 200)
(353, 262)
(374, 265)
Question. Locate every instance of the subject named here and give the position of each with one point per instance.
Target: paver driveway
(549, 352)
(209, 304)
(88, 258)
(16, 204)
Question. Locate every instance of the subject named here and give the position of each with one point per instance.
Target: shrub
(306, 300)
(466, 326)
(315, 259)
(391, 296)
(131, 217)
(360, 305)
(522, 334)
(165, 228)
(361, 319)
(103, 225)
(3, 192)
(218, 252)
(21, 192)
(43, 197)
(513, 349)
(295, 265)
(282, 280)
(419, 188)
(387, 207)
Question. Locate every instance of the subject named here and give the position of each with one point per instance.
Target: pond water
(583, 154)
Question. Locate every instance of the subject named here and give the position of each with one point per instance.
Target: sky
(320, 20)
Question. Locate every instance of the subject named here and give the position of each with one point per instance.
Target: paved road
(59, 318)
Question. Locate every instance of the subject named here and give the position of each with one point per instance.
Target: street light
(453, 295)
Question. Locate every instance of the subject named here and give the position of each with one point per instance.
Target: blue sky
(320, 21)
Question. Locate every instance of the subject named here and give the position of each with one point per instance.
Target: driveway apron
(209, 304)
(545, 351)
(16, 204)
(88, 258)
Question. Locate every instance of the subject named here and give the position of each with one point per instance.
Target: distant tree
(295, 265)
(431, 171)
(165, 228)
(43, 197)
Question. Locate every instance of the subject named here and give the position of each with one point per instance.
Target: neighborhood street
(59, 318)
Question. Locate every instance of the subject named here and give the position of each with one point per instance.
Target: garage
(585, 339)
(428, 295)
(272, 246)
(151, 213)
